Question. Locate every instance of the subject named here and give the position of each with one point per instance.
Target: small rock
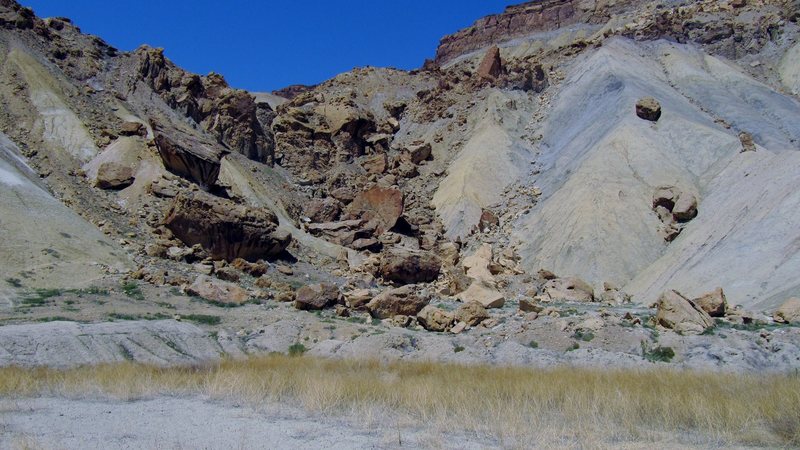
(459, 328)
(648, 108)
(570, 289)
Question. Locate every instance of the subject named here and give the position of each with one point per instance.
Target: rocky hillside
(588, 151)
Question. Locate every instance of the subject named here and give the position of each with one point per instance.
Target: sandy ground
(178, 423)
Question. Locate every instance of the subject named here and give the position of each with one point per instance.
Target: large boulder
(472, 313)
(380, 207)
(316, 297)
(402, 301)
(789, 312)
(405, 266)
(322, 210)
(218, 291)
(678, 313)
(225, 229)
(190, 158)
(435, 319)
(487, 296)
(112, 175)
(569, 289)
(491, 66)
(477, 265)
(713, 303)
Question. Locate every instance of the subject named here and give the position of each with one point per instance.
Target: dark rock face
(230, 115)
(409, 266)
(224, 229)
(190, 159)
(514, 22)
(492, 66)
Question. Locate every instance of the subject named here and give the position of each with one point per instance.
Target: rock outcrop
(224, 229)
(788, 312)
(435, 319)
(217, 291)
(713, 303)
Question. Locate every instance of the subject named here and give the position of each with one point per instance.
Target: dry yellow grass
(515, 405)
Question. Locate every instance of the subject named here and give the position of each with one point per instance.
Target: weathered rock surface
(678, 313)
(402, 301)
(317, 296)
(405, 266)
(224, 229)
(71, 344)
(491, 66)
(570, 289)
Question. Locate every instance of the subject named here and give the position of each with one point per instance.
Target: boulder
(685, 208)
(187, 157)
(477, 265)
(713, 303)
(380, 207)
(376, 164)
(472, 313)
(435, 319)
(321, 210)
(316, 297)
(405, 266)
(677, 313)
(132, 129)
(528, 305)
(111, 175)
(218, 291)
(357, 298)
(394, 302)
(419, 151)
(648, 108)
(491, 66)
(569, 289)
(789, 312)
(487, 296)
(225, 229)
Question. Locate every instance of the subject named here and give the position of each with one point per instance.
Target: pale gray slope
(601, 163)
(70, 344)
(746, 239)
(44, 244)
(493, 158)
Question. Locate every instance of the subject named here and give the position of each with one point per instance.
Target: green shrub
(204, 319)
(458, 349)
(132, 290)
(584, 336)
(297, 349)
(533, 344)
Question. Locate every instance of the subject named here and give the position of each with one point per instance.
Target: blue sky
(266, 45)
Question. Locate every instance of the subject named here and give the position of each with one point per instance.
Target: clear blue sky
(265, 45)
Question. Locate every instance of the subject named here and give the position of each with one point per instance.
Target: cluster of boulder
(675, 207)
(401, 306)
